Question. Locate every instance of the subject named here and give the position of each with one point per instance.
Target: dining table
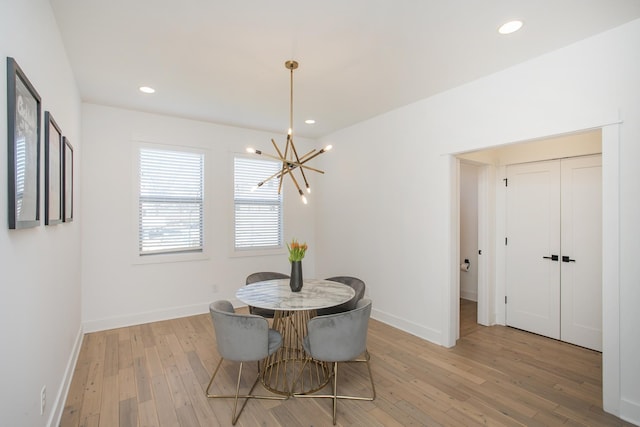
(290, 370)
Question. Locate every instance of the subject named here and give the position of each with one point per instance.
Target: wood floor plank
(148, 414)
(127, 383)
(153, 361)
(110, 405)
(92, 393)
(128, 413)
(143, 380)
(164, 404)
(111, 354)
(156, 374)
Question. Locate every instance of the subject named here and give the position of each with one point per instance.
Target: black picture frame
(53, 161)
(67, 180)
(23, 131)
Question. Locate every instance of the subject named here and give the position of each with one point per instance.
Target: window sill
(257, 252)
(168, 258)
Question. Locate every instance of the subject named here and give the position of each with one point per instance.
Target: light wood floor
(155, 374)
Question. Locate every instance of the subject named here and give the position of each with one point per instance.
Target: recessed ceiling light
(510, 27)
(310, 121)
(147, 89)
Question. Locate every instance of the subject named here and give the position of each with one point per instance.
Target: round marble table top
(277, 295)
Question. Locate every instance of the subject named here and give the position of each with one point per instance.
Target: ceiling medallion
(291, 162)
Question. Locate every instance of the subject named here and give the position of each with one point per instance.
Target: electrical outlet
(43, 399)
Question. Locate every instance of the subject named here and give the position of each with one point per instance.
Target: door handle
(567, 259)
(553, 258)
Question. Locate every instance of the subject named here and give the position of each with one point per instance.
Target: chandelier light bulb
(304, 199)
(251, 150)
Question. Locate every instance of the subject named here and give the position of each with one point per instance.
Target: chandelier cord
(291, 104)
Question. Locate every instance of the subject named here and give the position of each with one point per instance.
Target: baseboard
(146, 317)
(63, 390)
(630, 411)
(428, 334)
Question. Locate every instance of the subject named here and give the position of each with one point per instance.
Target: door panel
(581, 225)
(533, 230)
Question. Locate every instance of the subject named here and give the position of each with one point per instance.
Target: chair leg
(215, 372)
(237, 395)
(335, 396)
(335, 390)
(373, 387)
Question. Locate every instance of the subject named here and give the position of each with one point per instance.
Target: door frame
(610, 259)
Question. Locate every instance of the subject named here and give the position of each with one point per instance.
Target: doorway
(609, 127)
(469, 175)
(491, 165)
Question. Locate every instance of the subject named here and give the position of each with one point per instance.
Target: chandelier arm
(313, 156)
(306, 155)
(272, 156)
(294, 166)
(295, 153)
(275, 175)
(286, 148)
(280, 180)
(283, 160)
(311, 169)
(289, 170)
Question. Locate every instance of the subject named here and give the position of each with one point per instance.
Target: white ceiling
(223, 61)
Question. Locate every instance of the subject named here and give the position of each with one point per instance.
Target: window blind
(170, 201)
(258, 211)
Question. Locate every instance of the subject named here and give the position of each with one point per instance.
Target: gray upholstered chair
(357, 285)
(259, 277)
(241, 338)
(340, 337)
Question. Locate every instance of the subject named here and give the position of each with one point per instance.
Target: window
(170, 201)
(258, 212)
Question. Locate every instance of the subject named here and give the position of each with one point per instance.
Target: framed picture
(52, 171)
(23, 125)
(68, 180)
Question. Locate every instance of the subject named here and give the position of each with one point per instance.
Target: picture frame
(23, 131)
(67, 180)
(53, 152)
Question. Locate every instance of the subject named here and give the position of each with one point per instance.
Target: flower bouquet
(296, 253)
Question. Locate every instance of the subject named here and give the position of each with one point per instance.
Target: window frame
(254, 250)
(168, 256)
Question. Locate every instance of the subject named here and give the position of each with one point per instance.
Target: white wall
(119, 290)
(39, 267)
(469, 230)
(395, 227)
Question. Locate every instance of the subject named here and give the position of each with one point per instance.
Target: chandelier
(291, 161)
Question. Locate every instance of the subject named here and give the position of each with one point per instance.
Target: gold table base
(290, 369)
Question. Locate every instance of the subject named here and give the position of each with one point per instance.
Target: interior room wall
(40, 266)
(120, 289)
(396, 235)
(469, 230)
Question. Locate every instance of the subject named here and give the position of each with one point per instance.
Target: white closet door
(581, 269)
(533, 230)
